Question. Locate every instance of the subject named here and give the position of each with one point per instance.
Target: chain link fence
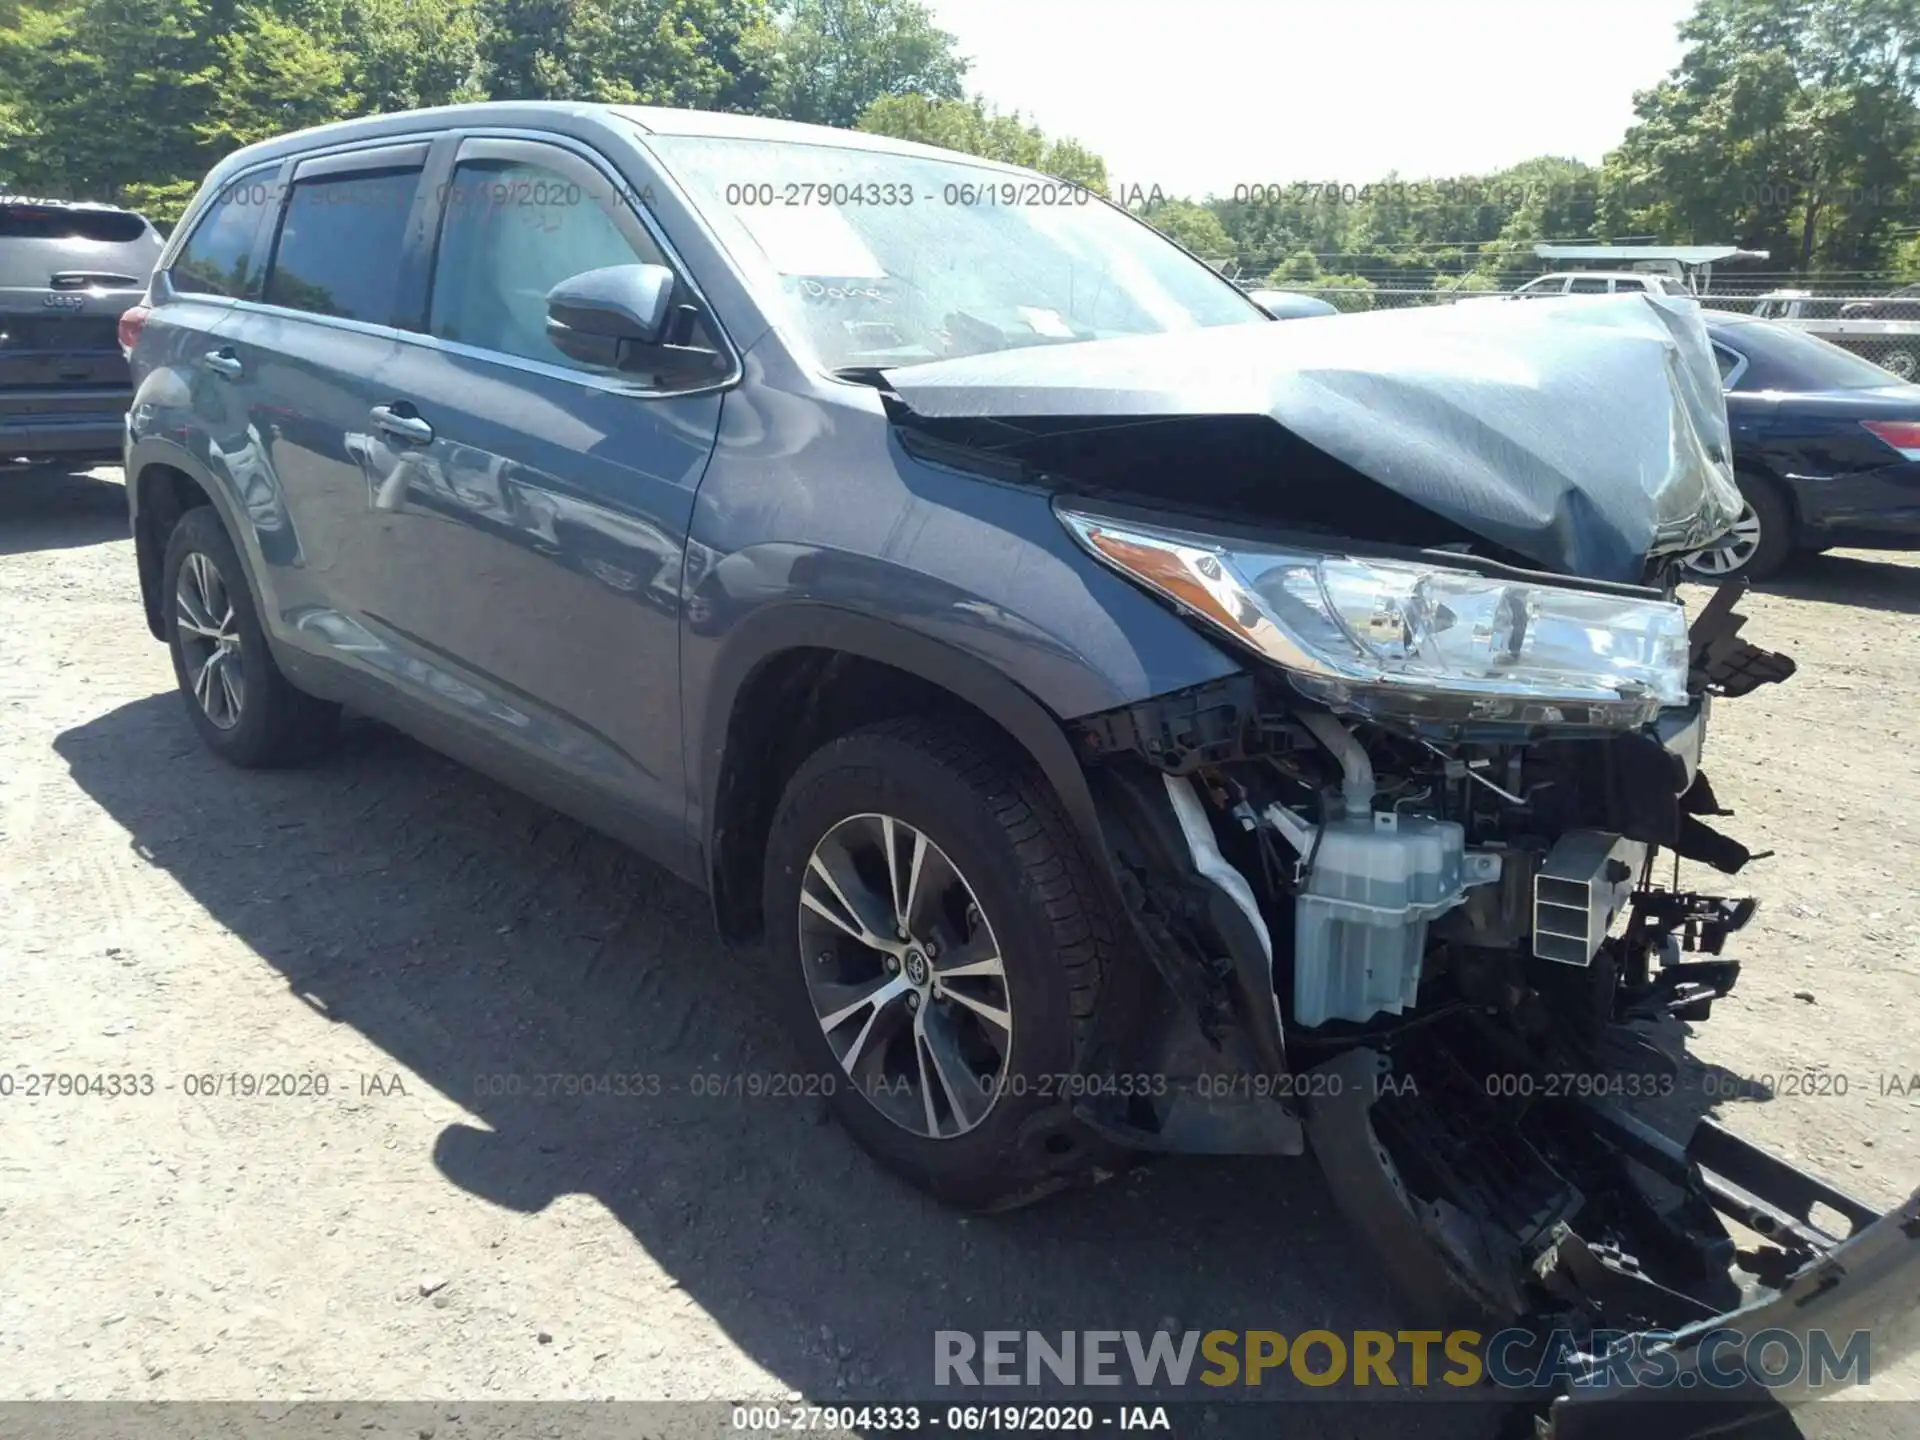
(1892, 343)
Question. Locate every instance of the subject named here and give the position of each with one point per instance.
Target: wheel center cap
(916, 967)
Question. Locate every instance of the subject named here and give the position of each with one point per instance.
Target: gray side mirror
(616, 316)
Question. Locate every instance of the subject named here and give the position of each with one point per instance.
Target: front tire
(1760, 543)
(246, 711)
(938, 949)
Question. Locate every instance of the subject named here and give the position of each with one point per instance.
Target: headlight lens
(1408, 639)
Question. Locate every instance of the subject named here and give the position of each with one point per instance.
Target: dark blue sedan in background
(1826, 446)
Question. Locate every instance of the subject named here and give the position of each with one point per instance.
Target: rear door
(527, 544)
(300, 360)
(66, 274)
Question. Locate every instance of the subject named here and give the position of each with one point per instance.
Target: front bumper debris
(1864, 1285)
(1668, 1328)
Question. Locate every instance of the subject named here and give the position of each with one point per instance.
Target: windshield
(873, 259)
(1783, 359)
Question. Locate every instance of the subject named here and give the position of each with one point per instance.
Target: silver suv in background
(67, 273)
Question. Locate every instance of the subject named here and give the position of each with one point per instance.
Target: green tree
(1789, 125)
(835, 58)
(1346, 292)
(99, 95)
(692, 53)
(1277, 225)
(1546, 198)
(1300, 268)
(1302, 271)
(1905, 260)
(972, 127)
(277, 73)
(1194, 226)
(135, 100)
(405, 54)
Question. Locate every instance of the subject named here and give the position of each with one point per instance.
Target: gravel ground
(426, 945)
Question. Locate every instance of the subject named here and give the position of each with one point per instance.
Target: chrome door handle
(223, 362)
(410, 428)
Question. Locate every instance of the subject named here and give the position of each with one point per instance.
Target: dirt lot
(427, 945)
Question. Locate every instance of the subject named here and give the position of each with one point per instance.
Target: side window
(1728, 362)
(1537, 289)
(512, 230)
(218, 256)
(338, 252)
(1586, 285)
(1630, 287)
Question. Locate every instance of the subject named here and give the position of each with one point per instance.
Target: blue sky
(1201, 95)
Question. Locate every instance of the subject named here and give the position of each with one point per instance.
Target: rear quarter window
(218, 258)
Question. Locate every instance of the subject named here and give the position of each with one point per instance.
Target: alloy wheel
(1735, 549)
(906, 978)
(210, 640)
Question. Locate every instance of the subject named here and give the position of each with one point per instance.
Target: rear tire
(246, 711)
(1001, 873)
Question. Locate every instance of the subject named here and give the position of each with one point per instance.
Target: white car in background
(1601, 282)
(1592, 282)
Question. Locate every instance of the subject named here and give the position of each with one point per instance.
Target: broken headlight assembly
(1415, 639)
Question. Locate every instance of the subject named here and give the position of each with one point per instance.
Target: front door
(528, 534)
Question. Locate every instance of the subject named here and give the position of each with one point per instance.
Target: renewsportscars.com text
(1393, 1359)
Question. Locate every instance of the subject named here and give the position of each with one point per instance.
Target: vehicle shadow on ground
(484, 942)
(50, 509)
(1853, 578)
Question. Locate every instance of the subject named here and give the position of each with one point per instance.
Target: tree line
(1791, 126)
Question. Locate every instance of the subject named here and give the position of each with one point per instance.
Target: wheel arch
(1787, 491)
(159, 492)
(807, 673)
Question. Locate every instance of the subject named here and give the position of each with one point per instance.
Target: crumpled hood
(1582, 434)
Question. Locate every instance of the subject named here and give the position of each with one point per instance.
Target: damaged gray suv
(1123, 723)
